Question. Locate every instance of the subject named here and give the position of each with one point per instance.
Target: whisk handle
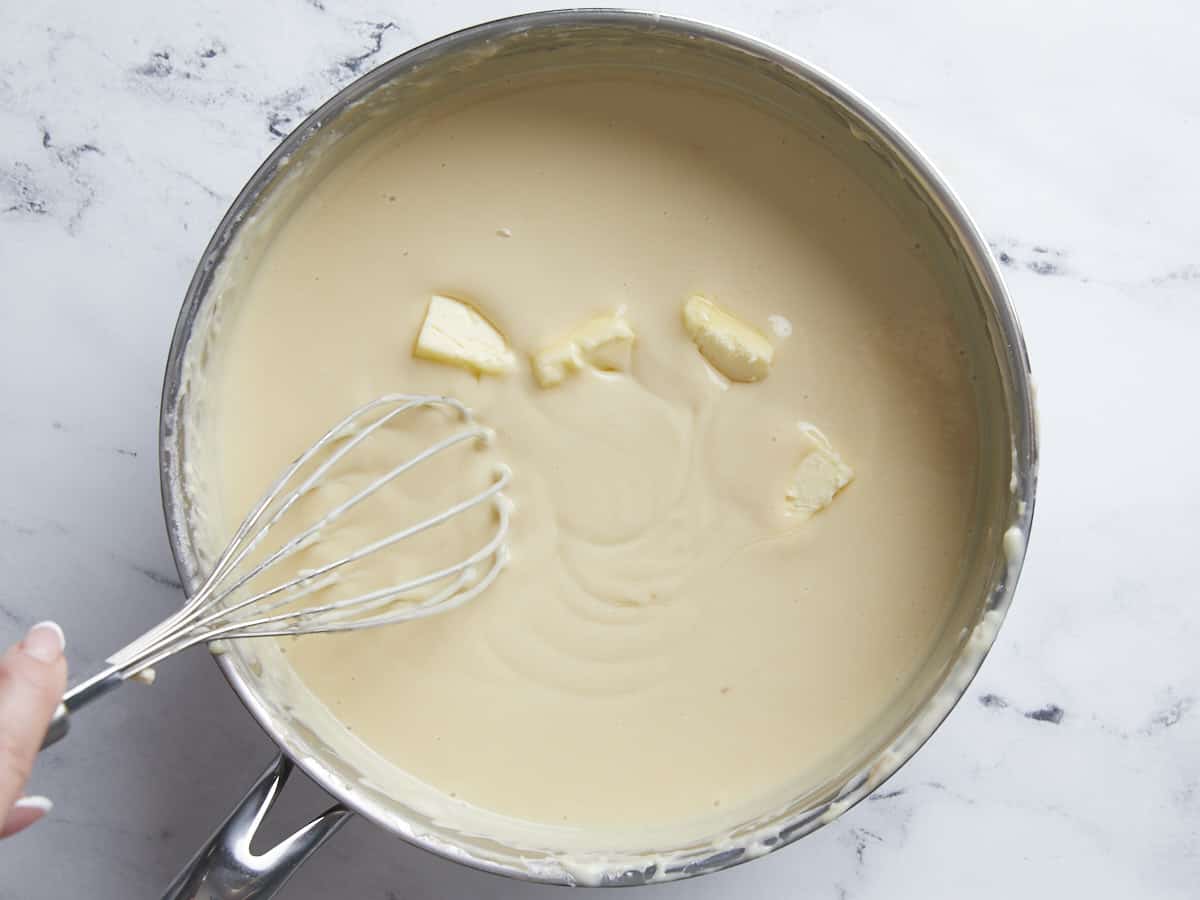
(77, 697)
(59, 726)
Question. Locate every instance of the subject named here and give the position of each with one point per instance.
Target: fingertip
(36, 803)
(45, 642)
(25, 812)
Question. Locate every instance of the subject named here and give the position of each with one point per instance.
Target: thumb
(33, 676)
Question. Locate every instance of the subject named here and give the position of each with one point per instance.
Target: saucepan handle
(225, 868)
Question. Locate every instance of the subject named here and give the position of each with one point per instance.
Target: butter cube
(605, 343)
(456, 334)
(737, 350)
(819, 476)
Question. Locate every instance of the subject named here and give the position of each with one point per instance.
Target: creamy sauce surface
(668, 645)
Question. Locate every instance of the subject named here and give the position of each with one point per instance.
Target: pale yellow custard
(673, 646)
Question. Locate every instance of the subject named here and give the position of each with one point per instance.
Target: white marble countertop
(1071, 768)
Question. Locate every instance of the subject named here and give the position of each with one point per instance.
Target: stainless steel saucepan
(408, 87)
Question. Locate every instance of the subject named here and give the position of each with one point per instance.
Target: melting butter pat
(738, 351)
(819, 476)
(605, 342)
(456, 334)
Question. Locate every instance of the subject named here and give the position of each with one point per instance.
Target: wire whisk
(218, 611)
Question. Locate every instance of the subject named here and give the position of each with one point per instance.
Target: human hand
(33, 676)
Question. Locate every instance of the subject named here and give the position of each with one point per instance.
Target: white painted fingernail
(45, 642)
(35, 801)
